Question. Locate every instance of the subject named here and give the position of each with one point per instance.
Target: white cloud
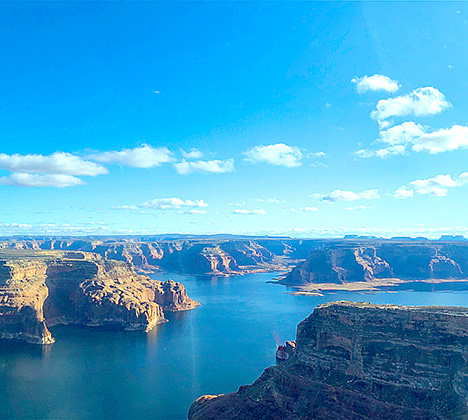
(421, 102)
(304, 209)
(205, 166)
(375, 83)
(340, 195)
(401, 134)
(410, 135)
(316, 154)
(443, 140)
(403, 192)
(144, 156)
(193, 154)
(437, 186)
(245, 211)
(57, 163)
(361, 207)
(172, 203)
(196, 211)
(278, 154)
(267, 200)
(36, 180)
(381, 153)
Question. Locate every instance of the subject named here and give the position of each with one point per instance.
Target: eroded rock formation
(363, 262)
(40, 289)
(357, 361)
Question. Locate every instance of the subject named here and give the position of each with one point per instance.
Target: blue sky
(302, 119)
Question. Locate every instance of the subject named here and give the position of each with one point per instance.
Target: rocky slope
(357, 361)
(40, 289)
(363, 262)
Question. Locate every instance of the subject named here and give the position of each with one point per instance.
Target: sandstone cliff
(362, 262)
(43, 289)
(357, 361)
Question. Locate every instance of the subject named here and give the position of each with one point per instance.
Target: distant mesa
(358, 361)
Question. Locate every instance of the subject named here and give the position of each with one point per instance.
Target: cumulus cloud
(442, 140)
(192, 154)
(415, 137)
(245, 211)
(57, 163)
(377, 82)
(340, 195)
(144, 156)
(37, 180)
(205, 166)
(401, 134)
(278, 154)
(420, 102)
(437, 186)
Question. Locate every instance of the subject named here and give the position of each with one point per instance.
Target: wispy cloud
(377, 82)
(267, 200)
(420, 102)
(192, 154)
(166, 204)
(205, 166)
(144, 156)
(306, 209)
(246, 212)
(278, 154)
(341, 195)
(361, 207)
(437, 186)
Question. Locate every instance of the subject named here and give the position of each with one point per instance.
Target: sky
(306, 119)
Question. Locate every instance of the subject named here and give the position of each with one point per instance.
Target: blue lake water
(225, 343)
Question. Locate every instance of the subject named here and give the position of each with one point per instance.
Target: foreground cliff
(361, 361)
(41, 289)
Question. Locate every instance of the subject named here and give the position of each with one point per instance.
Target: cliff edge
(356, 361)
(40, 289)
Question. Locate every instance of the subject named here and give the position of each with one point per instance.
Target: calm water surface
(227, 342)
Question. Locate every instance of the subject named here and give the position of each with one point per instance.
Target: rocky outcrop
(43, 289)
(364, 262)
(360, 361)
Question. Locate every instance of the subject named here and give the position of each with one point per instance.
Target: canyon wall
(45, 288)
(357, 361)
(362, 262)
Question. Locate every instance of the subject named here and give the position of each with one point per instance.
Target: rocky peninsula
(360, 361)
(39, 289)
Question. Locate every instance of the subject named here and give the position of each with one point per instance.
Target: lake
(226, 342)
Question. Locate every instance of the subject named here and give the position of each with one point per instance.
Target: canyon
(360, 361)
(40, 289)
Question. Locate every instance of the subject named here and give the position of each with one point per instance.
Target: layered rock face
(361, 361)
(186, 256)
(358, 262)
(40, 289)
